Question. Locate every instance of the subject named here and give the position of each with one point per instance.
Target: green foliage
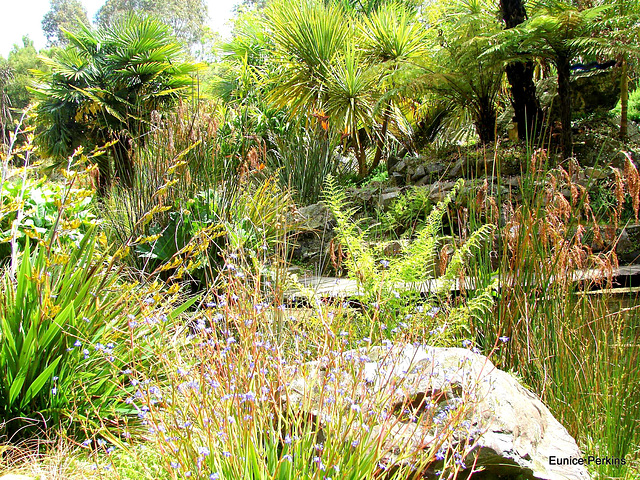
(185, 18)
(634, 106)
(31, 209)
(247, 413)
(63, 332)
(406, 212)
(574, 347)
(186, 207)
(104, 88)
(458, 71)
(339, 66)
(303, 161)
(21, 60)
(63, 15)
(390, 286)
(6, 76)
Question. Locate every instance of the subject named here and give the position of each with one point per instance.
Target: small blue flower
(214, 476)
(503, 339)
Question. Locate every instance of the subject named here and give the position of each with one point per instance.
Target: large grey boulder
(513, 434)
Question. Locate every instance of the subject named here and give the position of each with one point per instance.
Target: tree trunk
(528, 114)
(381, 140)
(361, 155)
(103, 181)
(564, 96)
(624, 100)
(123, 161)
(485, 121)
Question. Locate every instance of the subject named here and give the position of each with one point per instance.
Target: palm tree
(623, 23)
(391, 38)
(338, 61)
(308, 38)
(103, 88)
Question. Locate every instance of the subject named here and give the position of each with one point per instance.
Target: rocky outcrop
(509, 431)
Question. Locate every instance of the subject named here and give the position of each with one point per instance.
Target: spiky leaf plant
(105, 86)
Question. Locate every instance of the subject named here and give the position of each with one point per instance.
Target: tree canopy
(63, 14)
(186, 18)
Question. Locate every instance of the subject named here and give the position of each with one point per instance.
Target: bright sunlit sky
(24, 17)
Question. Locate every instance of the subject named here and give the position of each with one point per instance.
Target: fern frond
(477, 307)
(417, 265)
(462, 255)
(361, 261)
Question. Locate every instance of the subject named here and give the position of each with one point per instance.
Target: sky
(24, 17)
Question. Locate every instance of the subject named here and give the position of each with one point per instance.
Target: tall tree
(186, 18)
(528, 114)
(22, 60)
(6, 75)
(338, 63)
(103, 88)
(623, 23)
(559, 32)
(63, 14)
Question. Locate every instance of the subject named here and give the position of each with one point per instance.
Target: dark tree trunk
(381, 140)
(485, 121)
(123, 161)
(103, 181)
(528, 114)
(564, 96)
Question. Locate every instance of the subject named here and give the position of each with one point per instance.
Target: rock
(315, 217)
(419, 173)
(598, 90)
(386, 199)
(513, 182)
(398, 179)
(400, 167)
(456, 170)
(593, 173)
(423, 182)
(440, 189)
(628, 246)
(514, 434)
(435, 168)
